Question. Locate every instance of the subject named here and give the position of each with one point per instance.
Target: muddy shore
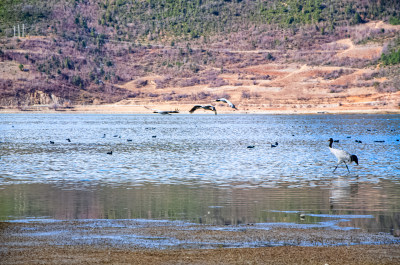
(164, 242)
(385, 254)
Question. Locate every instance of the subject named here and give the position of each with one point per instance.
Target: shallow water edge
(162, 234)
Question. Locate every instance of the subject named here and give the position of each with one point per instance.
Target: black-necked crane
(342, 156)
(226, 101)
(206, 107)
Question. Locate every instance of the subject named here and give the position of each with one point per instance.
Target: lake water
(198, 168)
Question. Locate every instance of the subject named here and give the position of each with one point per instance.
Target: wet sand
(159, 242)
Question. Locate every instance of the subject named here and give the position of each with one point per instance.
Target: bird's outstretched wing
(154, 110)
(163, 112)
(195, 107)
(227, 101)
(210, 107)
(173, 111)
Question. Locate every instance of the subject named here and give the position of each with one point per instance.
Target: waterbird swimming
(226, 101)
(206, 107)
(342, 156)
(274, 145)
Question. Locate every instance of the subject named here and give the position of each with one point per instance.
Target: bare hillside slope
(273, 57)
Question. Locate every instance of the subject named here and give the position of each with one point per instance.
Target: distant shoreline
(140, 109)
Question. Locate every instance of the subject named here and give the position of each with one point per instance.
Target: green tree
(394, 20)
(77, 81)
(68, 63)
(357, 19)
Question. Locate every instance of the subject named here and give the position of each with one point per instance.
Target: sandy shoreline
(160, 242)
(184, 109)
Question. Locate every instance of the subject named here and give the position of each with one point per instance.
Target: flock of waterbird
(341, 155)
(196, 107)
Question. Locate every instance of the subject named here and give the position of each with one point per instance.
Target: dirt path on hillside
(371, 51)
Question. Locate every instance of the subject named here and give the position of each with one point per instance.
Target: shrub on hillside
(337, 88)
(337, 73)
(394, 20)
(141, 83)
(246, 94)
(391, 58)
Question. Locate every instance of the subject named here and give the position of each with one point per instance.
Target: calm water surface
(198, 168)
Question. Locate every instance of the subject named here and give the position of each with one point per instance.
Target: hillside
(296, 56)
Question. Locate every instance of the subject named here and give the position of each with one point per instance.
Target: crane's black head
(354, 158)
(330, 142)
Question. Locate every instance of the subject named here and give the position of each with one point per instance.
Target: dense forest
(83, 50)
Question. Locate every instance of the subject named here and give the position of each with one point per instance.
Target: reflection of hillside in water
(347, 194)
(206, 204)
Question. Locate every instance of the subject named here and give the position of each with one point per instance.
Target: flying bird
(226, 101)
(342, 156)
(163, 112)
(206, 107)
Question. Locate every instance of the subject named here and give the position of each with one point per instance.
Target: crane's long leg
(347, 167)
(335, 168)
